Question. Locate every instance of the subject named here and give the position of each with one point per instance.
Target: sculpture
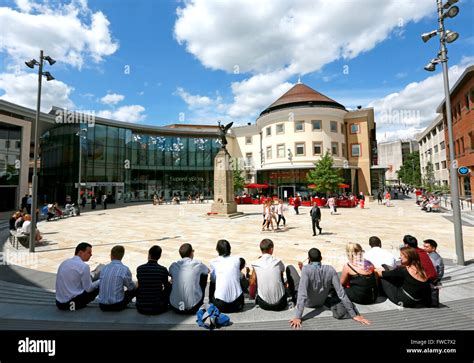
(223, 131)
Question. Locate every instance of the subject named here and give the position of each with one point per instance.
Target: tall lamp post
(31, 64)
(448, 36)
(80, 168)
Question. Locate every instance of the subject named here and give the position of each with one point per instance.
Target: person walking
(362, 200)
(379, 197)
(332, 204)
(104, 201)
(315, 214)
(280, 214)
(297, 203)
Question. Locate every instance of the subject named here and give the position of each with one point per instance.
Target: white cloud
(112, 99)
(275, 40)
(70, 33)
(132, 113)
(22, 89)
(194, 101)
(411, 109)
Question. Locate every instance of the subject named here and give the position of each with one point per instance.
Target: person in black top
(315, 214)
(153, 293)
(407, 285)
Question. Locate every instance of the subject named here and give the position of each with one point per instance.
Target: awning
(257, 186)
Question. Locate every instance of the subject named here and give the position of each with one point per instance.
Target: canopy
(256, 186)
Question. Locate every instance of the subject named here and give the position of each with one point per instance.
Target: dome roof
(302, 95)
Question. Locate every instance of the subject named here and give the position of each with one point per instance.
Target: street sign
(463, 170)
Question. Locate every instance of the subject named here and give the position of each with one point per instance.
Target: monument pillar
(224, 203)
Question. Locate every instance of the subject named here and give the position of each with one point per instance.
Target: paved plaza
(138, 227)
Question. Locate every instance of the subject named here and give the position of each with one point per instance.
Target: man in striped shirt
(153, 285)
(113, 278)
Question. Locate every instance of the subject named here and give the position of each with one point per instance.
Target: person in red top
(425, 259)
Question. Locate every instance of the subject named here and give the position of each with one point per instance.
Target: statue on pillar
(223, 131)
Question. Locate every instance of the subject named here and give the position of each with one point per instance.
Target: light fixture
(450, 36)
(431, 66)
(449, 3)
(452, 12)
(428, 36)
(48, 76)
(50, 60)
(32, 63)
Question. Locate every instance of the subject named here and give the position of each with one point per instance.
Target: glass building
(126, 163)
(10, 151)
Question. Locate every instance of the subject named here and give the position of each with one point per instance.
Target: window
(355, 129)
(343, 129)
(281, 151)
(437, 166)
(442, 145)
(248, 159)
(299, 126)
(269, 131)
(443, 164)
(333, 126)
(436, 149)
(316, 125)
(299, 147)
(466, 101)
(280, 128)
(355, 150)
(317, 148)
(7, 144)
(269, 152)
(248, 140)
(471, 139)
(17, 144)
(461, 150)
(343, 147)
(335, 148)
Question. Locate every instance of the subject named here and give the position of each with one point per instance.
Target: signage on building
(186, 179)
(101, 184)
(463, 170)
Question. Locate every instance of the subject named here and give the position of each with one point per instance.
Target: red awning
(256, 186)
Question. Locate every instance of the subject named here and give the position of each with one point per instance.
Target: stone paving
(138, 227)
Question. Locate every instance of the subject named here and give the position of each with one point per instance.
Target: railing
(463, 202)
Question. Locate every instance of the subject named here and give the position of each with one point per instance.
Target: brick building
(462, 109)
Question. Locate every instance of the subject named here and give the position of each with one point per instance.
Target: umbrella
(344, 186)
(256, 186)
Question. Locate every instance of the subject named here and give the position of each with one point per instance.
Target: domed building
(296, 130)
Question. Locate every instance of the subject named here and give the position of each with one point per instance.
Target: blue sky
(166, 61)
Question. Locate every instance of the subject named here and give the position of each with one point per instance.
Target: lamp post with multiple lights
(448, 36)
(31, 64)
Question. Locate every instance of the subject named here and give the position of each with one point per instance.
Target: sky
(159, 62)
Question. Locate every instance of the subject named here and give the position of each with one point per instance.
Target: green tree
(324, 176)
(428, 182)
(410, 173)
(237, 178)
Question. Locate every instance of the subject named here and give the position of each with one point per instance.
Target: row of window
(299, 126)
(300, 150)
(433, 133)
(437, 166)
(435, 150)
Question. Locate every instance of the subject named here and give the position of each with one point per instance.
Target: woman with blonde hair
(407, 285)
(358, 276)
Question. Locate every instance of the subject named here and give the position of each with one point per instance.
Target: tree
(410, 173)
(428, 182)
(324, 176)
(237, 178)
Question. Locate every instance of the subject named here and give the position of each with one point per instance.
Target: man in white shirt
(378, 256)
(189, 280)
(225, 291)
(113, 278)
(267, 275)
(74, 286)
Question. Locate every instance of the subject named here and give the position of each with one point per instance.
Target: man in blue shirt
(113, 278)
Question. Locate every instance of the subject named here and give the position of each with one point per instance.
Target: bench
(17, 238)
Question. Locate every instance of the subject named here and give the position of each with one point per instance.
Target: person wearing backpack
(225, 291)
(188, 282)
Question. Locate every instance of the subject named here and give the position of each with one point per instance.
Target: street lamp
(447, 36)
(31, 64)
(80, 168)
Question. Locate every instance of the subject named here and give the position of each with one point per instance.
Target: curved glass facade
(127, 164)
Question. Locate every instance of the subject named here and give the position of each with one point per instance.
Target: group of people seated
(20, 222)
(431, 202)
(182, 288)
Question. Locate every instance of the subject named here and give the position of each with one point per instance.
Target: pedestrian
(332, 204)
(297, 203)
(379, 197)
(93, 202)
(104, 201)
(84, 201)
(280, 214)
(315, 214)
(362, 200)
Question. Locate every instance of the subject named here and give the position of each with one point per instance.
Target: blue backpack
(215, 318)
